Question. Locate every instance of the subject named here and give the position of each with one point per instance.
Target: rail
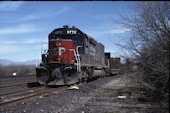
(12, 85)
(5, 102)
(76, 58)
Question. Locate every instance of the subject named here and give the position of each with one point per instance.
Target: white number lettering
(71, 32)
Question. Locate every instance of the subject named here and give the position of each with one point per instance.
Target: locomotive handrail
(75, 57)
(78, 55)
(108, 63)
(42, 46)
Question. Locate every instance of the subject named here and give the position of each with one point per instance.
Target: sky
(25, 25)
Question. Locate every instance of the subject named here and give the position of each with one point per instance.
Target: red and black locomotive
(72, 56)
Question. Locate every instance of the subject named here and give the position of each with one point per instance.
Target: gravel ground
(99, 96)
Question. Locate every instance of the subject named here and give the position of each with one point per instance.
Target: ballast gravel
(99, 96)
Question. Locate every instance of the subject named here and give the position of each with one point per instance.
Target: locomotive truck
(72, 56)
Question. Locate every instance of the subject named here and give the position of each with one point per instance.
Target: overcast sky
(24, 25)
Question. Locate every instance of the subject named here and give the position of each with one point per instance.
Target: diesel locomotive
(72, 56)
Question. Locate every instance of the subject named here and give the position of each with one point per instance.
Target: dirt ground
(116, 94)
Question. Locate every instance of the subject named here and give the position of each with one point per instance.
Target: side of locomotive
(72, 56)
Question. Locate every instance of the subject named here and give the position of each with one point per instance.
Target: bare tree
(149, 23)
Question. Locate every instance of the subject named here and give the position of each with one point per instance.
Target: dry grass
(19, 69)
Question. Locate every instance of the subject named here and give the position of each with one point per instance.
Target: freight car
(72, 56)
(115, 66)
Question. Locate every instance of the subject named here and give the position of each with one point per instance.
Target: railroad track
(24, 78)
(20, 92)
(7, 85)
(22, 96)
(10, 99)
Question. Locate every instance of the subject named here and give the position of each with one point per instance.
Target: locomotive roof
(63, 31)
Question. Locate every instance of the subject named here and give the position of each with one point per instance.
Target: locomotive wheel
(84, 80)
(90, 73)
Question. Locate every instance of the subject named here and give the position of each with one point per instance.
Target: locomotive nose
(59, 50)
